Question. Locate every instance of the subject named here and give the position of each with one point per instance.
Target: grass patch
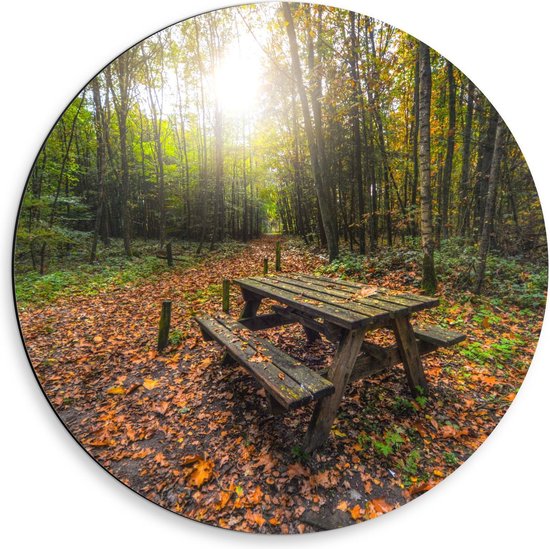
(73, 276)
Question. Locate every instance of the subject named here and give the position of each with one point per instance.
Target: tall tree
(490, 202)
(124, 70)
(464, 201)
(321, 187)
(429, 280)
(447, 172)
(99, 124)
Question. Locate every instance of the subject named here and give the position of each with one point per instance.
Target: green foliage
(299, 454)
(411, 463)
(175, 337)
(450, 458)
(509, 280)
(346, 264)
(85, 279)
(391, 442)
(402, 407)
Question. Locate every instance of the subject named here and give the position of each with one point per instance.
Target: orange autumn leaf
(98, 339)
(161, 460)
(116, 391)
(256, 496)
(255, 518)
(150, 383)
(224, 499)
(188, 460)
(420, 488)
(342, 506)
(377, 507)
(202, 472)
(161, 407)
(356, 512)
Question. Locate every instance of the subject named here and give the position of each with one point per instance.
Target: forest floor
(196, 437)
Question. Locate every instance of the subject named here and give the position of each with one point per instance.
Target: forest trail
(196, 438)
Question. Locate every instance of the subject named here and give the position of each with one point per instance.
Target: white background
(53, 494)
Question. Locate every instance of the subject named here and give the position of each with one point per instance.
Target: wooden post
(225, 295)
(169, 256)
(278, 256)
(265, 266)
(164, 325)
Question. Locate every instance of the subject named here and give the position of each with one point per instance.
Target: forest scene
(302, 145)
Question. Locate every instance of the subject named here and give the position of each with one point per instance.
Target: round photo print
(280, 268)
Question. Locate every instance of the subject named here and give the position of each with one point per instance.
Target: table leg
(251, 304)
(410, 355)
(325, 410)
(311, 335)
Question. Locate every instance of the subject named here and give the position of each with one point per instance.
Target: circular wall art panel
(280, 268)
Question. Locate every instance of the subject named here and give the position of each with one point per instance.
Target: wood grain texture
(410, 355)
(339, 374)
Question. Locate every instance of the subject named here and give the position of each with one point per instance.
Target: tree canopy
(294, 118)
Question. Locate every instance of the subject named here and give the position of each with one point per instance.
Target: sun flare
(237, 81)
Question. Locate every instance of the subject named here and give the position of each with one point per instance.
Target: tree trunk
(357, 145)
(99, 123)
(429, 281)
(447, 172)
(323, 196)
(464, 201)
(490, 202)
(122, 69)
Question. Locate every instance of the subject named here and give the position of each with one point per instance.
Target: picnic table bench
(343, 312)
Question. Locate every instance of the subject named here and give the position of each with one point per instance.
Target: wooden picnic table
(344, 312)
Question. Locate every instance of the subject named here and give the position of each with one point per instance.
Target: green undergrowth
(516, 281)
(74, 276)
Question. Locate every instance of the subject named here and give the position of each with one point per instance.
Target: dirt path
(196, 438)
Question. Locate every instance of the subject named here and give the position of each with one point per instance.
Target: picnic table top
(347, 304)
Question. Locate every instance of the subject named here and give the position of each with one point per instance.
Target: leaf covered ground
(195, 437)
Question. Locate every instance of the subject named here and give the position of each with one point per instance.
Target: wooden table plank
(301, 374)
(288, 392)
(412, 301)
(383, 306)
(337, 315)
(342, 301)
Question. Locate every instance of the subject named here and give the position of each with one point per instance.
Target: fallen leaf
(369, 290)
(224, 499)
(161, 460)
(296, 470)
(356, 512)
(420, 488)
(377, 507)
(256, 518)
(150, 383)
(116, 391)
(202, 472)
(342, 506)
(256, 496)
